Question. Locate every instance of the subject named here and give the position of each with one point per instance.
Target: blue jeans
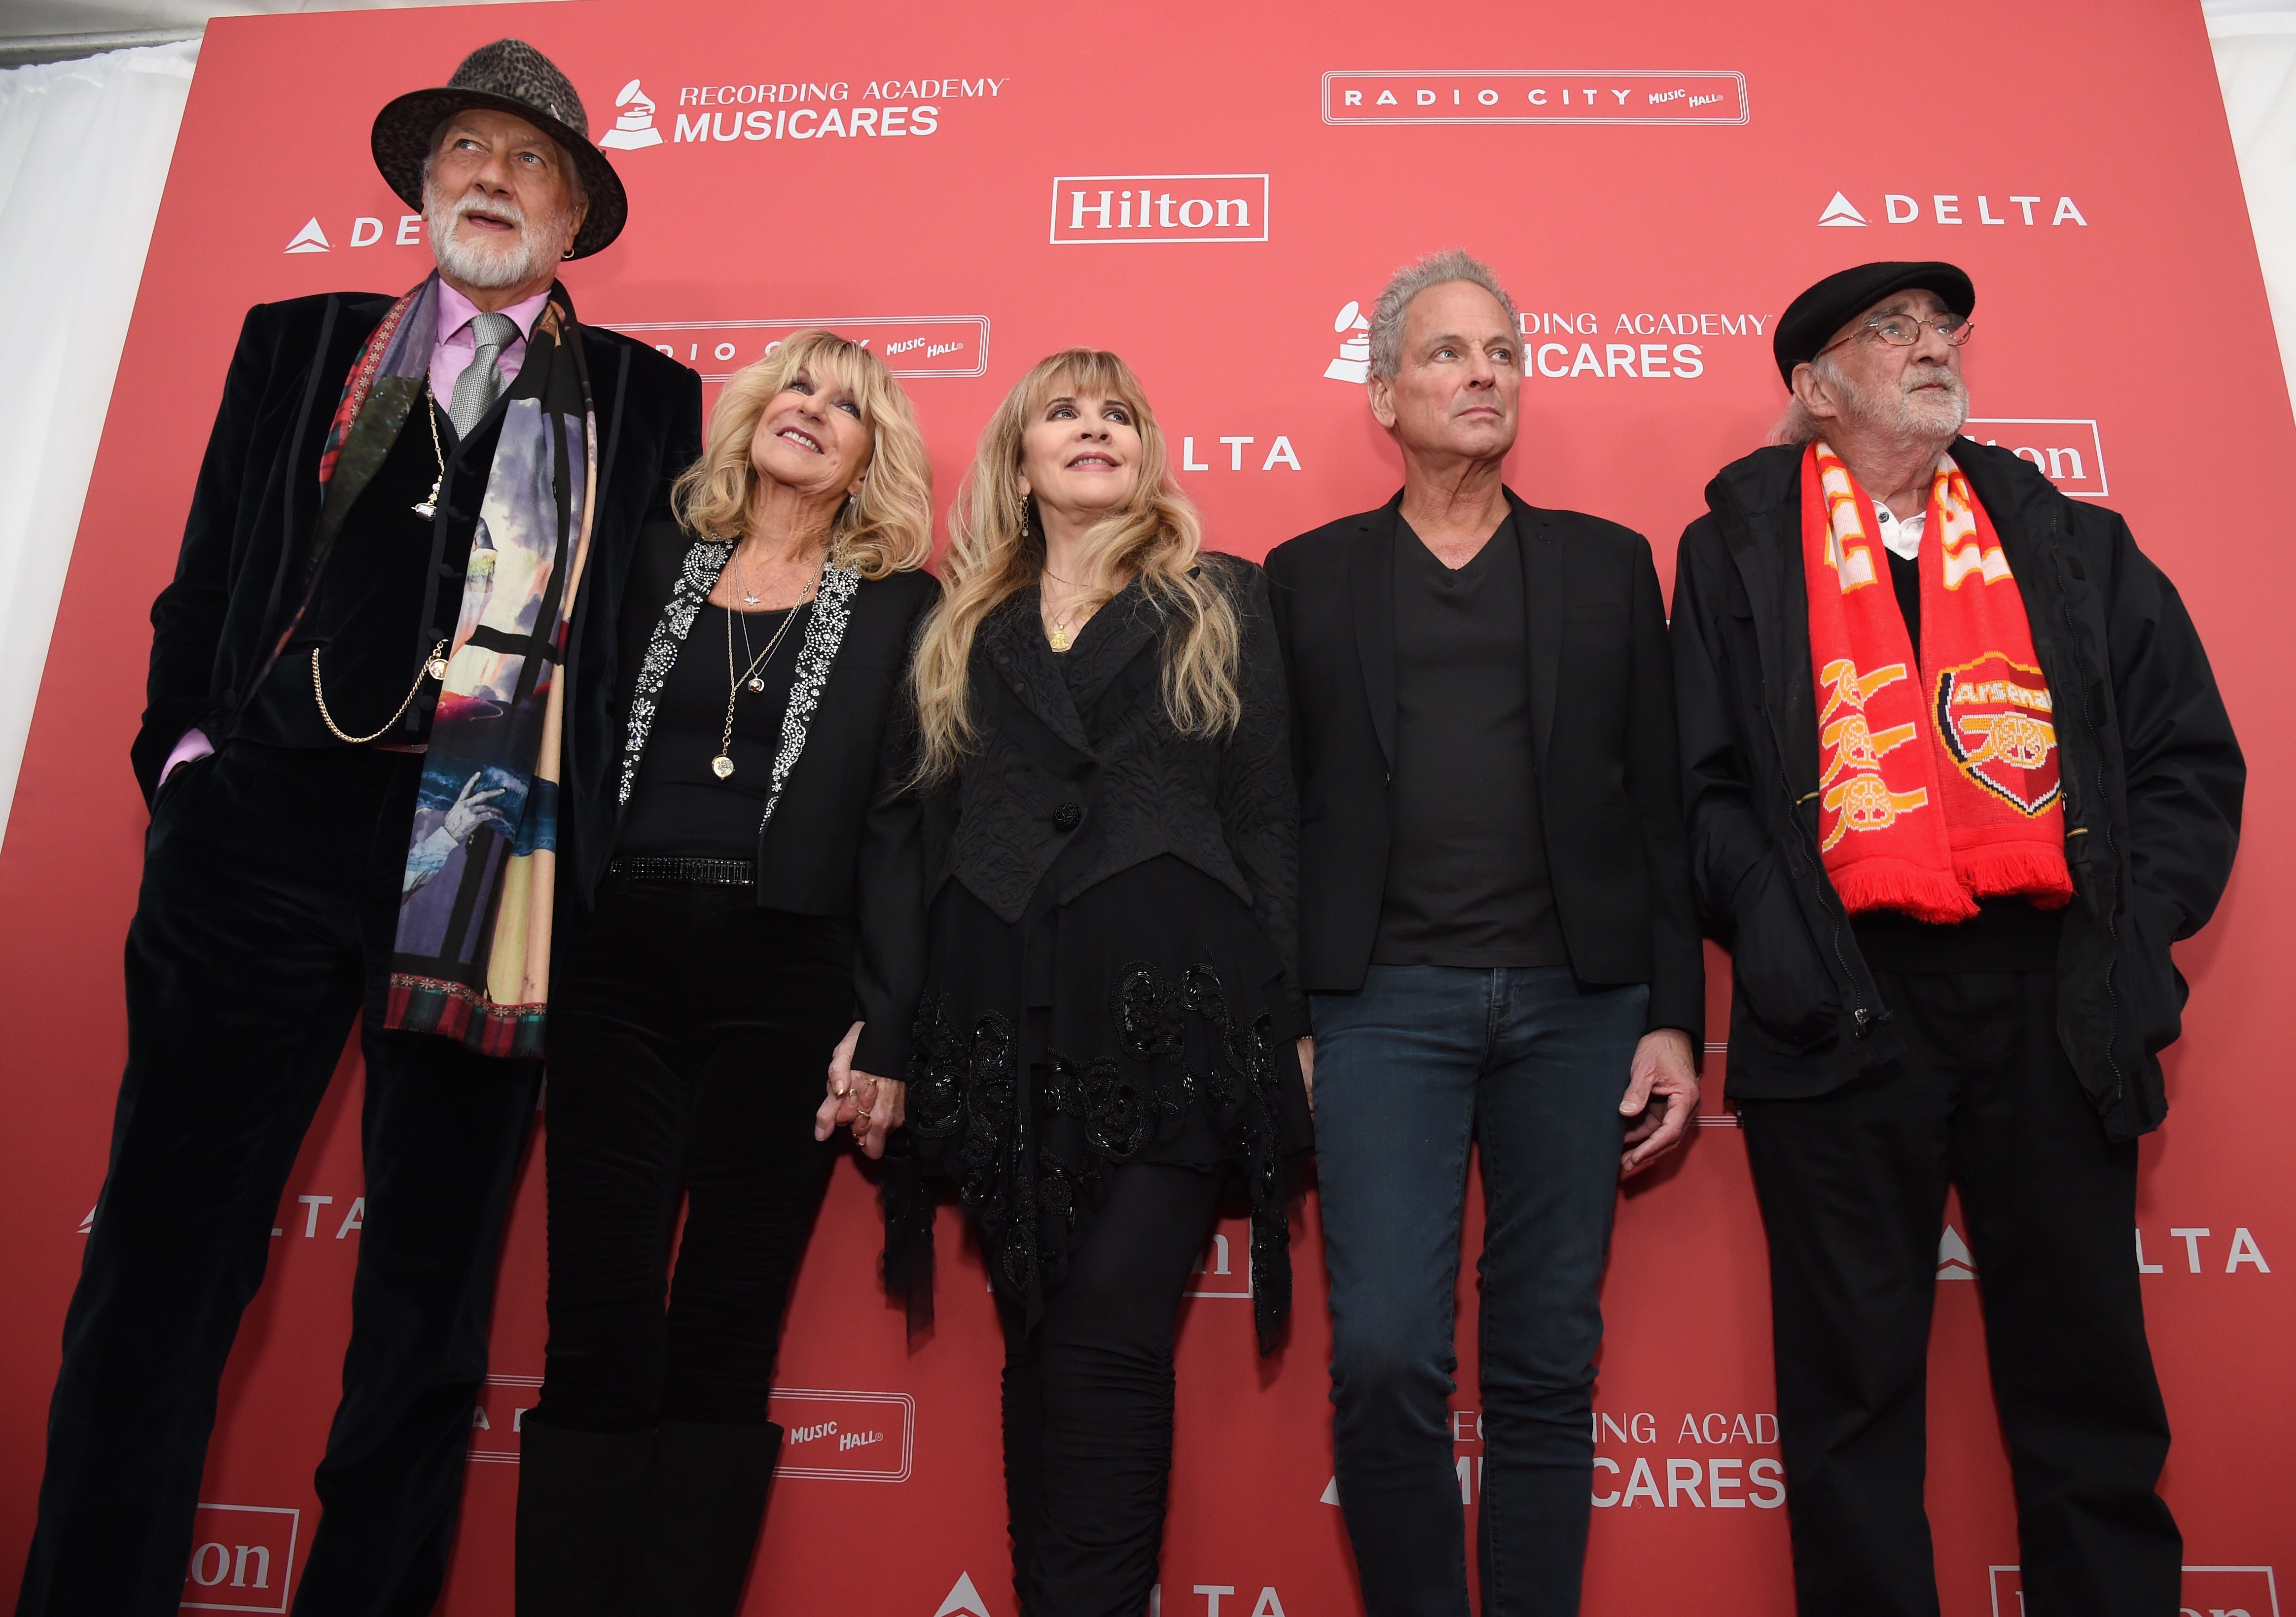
(1407, 1072)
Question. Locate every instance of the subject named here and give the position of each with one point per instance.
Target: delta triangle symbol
(1954, 1261)
(964, 1600)
(310, 239)
(1331, 1492)
(1841, 211)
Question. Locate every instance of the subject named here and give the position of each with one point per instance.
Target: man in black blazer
(1498, 938)
(281, 854)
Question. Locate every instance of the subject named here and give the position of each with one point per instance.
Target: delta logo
(1949, 207)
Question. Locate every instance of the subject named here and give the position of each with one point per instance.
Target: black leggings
(690, 1032)
(1088, 1401)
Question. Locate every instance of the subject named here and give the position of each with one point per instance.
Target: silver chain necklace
(722, 765)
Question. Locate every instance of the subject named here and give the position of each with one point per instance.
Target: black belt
(701, 872)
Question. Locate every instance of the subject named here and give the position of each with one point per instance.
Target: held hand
(1308, 1071)
(1662, 1097)
(837, 1110)
(870, 1105)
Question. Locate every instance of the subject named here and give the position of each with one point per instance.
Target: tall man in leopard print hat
(377, 726)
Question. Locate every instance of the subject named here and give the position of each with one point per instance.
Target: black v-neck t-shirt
(1467, 881)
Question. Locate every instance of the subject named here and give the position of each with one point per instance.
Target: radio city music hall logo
(1104, 210)
(912, 345)
(1950, 207)
(841, 1436)
(2208, 1591)
(1535, 95)
(242, 1558)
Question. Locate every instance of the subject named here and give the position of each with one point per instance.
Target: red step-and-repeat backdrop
(1216, 191)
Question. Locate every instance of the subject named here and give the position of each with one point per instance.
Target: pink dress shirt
(457, 343)
(451, 354)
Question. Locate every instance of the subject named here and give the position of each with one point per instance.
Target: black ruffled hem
(1190, 1083)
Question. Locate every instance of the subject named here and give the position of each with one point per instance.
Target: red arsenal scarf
(1939, 782)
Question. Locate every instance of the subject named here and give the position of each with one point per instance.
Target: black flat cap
(1811, 319)
(508, 76)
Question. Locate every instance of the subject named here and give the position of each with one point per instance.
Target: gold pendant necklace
(722, 765)
(427, 507)
(1059, 638)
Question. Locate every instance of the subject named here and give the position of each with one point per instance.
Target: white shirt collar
(1902, 535)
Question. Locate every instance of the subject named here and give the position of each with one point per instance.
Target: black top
(1079, 749)
(2152, 772)
(679, 805)
(2008, 933)
(1136, 1001)
(1466, 875)
(1602, 714)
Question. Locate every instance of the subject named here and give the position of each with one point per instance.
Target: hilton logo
(2209, 1591)
(1106, 209)
(242, 1558)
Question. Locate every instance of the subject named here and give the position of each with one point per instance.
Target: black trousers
(270, 895)
(1088, 1400)
(690, 1040)
(1852, 1187)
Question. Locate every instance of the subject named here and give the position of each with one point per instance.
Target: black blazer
(1602, 702)
(243, 569)
(1099, 767)
(843, 839)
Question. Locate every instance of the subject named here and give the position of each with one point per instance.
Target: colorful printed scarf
(1939, 777)
(471, 960)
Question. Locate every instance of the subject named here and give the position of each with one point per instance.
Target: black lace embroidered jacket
(1112, 924)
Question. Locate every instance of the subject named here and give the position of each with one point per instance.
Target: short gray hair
(1436, 269)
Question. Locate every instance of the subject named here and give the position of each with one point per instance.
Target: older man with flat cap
(378, 722)
(1957, 775)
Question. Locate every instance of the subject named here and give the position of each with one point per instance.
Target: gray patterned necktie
(480, 383)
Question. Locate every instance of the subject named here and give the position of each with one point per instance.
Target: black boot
(581, 1518)
(708, 1502)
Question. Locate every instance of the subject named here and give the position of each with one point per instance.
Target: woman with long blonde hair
(704, 983)
(1105, 1026)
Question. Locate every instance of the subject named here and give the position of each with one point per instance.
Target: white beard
(511, 264)
(1910, 419)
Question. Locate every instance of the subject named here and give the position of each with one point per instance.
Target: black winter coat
(244, 565)
(1105, 767)
(2152, 783)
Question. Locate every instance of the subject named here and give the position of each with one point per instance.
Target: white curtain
(2255, 44)
(83, 151)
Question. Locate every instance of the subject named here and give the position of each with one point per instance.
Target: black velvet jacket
(1602, 696)
(1105, 766)
(2152, 775)
(244, 565)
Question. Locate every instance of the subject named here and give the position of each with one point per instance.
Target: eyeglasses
(1904, 330)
